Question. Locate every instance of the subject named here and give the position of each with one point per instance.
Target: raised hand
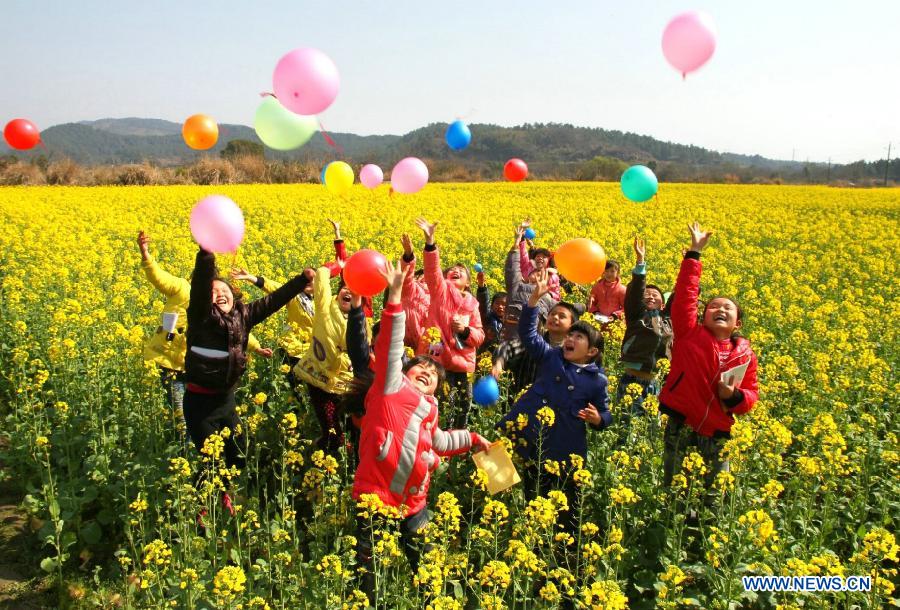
(520, 234)
(640, 249)
(407, 245)
(143, 242)
(242, 274)
(480, 279)
(337, 228)
(541, 287)
(393, 275)
(428, 229)
(699, 237)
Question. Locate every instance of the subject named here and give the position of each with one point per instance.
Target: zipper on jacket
(385, 446)
(676, 382)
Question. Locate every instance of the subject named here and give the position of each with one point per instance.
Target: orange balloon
(580, 260)
(200, 132)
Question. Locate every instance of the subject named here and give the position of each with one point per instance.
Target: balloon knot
(267, 94)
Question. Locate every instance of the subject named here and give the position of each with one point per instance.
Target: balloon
(306, 81)
(21, 134)
(486, 391)
(409, 175)
(580, 260)
(515, 170)
(478, 267)
(362, 272)
(281, 129)
(371, 176)
(217, 224)
(338, 177)
(689, 40)
(458, 135)
(529, 233)
(639, 183)
(200, 132)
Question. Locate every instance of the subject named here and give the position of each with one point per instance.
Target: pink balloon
(217, 224)
(371, 176)
(306, 81)
(689, 41)
(409, 175)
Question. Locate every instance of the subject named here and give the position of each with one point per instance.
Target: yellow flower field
(111, 490)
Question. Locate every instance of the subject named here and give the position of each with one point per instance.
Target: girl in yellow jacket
(167, 347)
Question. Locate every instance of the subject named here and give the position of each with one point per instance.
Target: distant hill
(551, 150)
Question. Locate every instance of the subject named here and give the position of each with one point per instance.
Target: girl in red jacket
(454, 311)
(704, 389)
(401, 439)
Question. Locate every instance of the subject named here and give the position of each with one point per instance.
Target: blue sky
(812, 79)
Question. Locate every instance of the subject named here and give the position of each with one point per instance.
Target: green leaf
(48, 564)
(91, 533)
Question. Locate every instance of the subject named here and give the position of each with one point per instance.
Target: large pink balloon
(371, 176)
(217, 224)
(306, 81)
(689, 41)
(409, 175)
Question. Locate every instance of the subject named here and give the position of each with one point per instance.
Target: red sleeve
(340, 250)
(434, 279)
(525, 264)
(749, 388)
(476, 330)
(687, 291)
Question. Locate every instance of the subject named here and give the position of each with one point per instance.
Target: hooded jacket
(565, 387)
(401, 439)
(691, 387)
(227, 334)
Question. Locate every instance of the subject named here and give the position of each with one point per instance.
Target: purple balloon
(371, 176)
(217, 224)
(306, 81)
(689, 40)
(409, 175)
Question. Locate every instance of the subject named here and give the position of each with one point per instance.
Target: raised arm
(434, 279)
(260, 309)
(634, 293)
(201, 288)
(389, 344)
(687, 287)
(166, 283)
(512, 275)
(533, 343)
(357, 337)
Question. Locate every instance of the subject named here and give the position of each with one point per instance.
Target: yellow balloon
(338, 177)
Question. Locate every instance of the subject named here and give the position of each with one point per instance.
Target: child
(401, 439)
(648, 333)
(518, 289)
(218, 331)
(416, 300)
(454, 311)
(571, 384)
(492, 310)
(608, 294)
(167, 347)
(541, 257)
(701, 405)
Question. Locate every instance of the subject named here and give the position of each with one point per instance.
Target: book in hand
(498, 466)
(734, 376)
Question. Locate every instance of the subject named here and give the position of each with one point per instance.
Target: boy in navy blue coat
(571, 383)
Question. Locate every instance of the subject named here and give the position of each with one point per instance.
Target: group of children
(553, 360)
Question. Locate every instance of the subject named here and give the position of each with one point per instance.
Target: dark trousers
(327, 407)
(173, 383)
(410, 528)
(459, 397)
(680, 439)
(206, 414)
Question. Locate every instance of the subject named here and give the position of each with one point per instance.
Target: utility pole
(793, 154)
(828, 174)
(887, 164)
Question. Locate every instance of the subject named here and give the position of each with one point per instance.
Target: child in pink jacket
(454, 312)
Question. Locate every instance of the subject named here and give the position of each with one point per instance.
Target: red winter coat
(416, 302)
(400, 440)
(691, 387)
(608, 298)
(447, 301)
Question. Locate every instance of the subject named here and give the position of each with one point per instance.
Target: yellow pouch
(498, 466)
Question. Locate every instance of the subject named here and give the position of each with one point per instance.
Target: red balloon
(361, 272)
(21, 134)
(515, 170)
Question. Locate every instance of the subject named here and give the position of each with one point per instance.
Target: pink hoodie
(446, 302)
(526, 267)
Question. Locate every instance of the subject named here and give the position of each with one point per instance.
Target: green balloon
(639, 183)
(281, 129)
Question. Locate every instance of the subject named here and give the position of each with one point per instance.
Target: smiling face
(541, 261)
(577, 348)
(499, 307)
(458, 276)
(222, 297)
(652, 299)
(345, 299)
(611, 274)
(721, 316)
(560, 319)
(424, 377)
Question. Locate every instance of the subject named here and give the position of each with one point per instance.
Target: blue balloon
(639, 183)
(529, 233)
(322, 175)
(458, 135)
(477, 267)
(486, 391)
